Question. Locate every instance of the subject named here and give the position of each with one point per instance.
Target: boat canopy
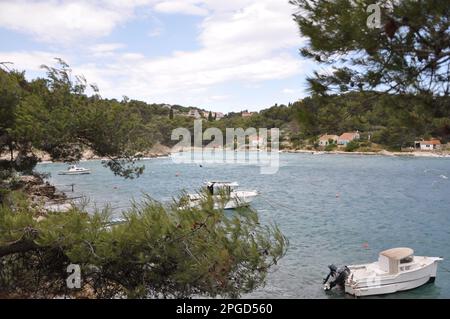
(398, 253)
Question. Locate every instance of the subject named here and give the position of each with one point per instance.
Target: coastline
(161, 151)
(291, 151)
(380, 153)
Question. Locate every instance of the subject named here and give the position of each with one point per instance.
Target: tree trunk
(18, 247)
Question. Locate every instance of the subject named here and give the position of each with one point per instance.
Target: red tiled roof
(432, 142)
(348, 136)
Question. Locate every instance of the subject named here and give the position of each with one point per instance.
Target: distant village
(324, 142)
(345, 138)
(197, 114)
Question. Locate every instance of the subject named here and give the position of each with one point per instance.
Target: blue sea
(340, 209)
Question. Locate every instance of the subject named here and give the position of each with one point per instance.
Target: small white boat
(75, 170)
(225, 196)
(397, 269)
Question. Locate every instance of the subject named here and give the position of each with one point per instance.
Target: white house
(194, 113)
(215, 115)
(219, 115)
(433, 144)
(326, 140)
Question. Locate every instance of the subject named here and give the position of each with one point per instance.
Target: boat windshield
(406, 260)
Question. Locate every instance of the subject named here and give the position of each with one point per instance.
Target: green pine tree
(409, 51)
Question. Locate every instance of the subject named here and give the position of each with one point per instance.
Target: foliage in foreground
(55, 115)
(158, 251)
(407, 52)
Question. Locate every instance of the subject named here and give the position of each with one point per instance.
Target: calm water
(329, 206)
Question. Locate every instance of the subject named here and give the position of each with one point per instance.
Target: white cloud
(238, 44)
(266, 24)
(219, 97)
(181, 6)
(243, 42)
(130, 56)
(30, 60)
(106, 49)
(64, 22)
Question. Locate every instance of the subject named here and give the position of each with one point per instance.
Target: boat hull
(386, 284)
(388, 288)
(75, 173)
(237, 199)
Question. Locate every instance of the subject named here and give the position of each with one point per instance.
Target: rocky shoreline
(441, 154)
(149, 155)
(159, 150)
(43, 197)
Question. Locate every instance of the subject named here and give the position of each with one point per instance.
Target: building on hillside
(246, 114)
(219, 115)
(326, 140)
(215, 115)
(194, 113)
(347, 137)
(431, 145)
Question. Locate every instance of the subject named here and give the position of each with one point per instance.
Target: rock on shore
(43, 196)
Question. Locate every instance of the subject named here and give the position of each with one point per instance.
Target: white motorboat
(397, 269)
(75, 170)
(225, 196)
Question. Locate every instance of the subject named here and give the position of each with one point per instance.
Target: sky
(218, 55)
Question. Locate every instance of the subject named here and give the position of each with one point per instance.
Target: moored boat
(75, 170)
(225, 196)
(397, 269)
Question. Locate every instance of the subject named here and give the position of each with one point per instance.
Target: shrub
(330, 147)
(352, 146)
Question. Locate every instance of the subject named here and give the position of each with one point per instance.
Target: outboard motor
(337, 277)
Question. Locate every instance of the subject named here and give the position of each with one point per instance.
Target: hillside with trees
(398, 62)
(393, 121)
